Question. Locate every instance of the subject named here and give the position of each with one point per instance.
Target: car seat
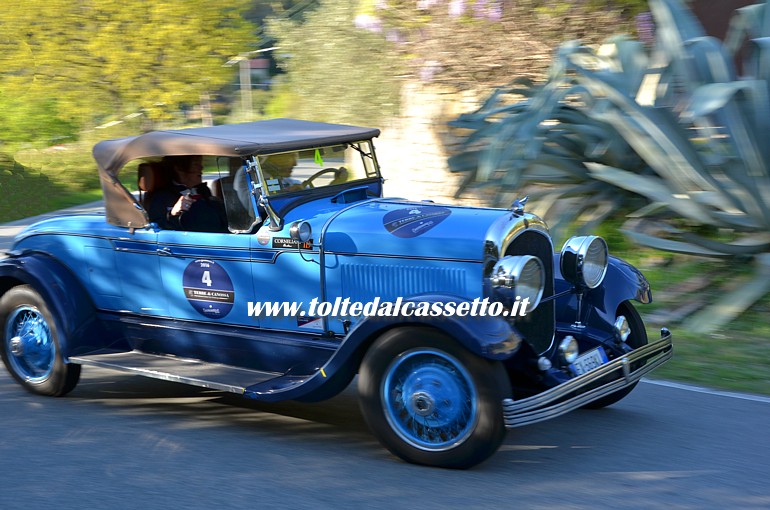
(150, 177)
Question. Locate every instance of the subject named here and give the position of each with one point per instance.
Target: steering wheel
(340, 175)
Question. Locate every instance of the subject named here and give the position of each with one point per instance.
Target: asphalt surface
(124, 442)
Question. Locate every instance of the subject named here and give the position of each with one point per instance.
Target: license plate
(588, 361)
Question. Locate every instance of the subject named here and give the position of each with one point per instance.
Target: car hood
(391, 227)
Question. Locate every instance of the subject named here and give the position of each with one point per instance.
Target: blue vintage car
(460, 322)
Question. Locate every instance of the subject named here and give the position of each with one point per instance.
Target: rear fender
(72, 308)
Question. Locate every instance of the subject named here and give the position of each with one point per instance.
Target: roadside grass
(36, 179)
(70, 166)
(736, 357)
(731, 361)
(26, 192)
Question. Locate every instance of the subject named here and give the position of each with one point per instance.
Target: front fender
(623, 282)
(72, 308)
(486, 336)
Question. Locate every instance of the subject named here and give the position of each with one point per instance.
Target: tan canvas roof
(233, 140)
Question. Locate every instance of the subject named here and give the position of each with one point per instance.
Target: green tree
(27, 117)
(335, 71)
(93, 61)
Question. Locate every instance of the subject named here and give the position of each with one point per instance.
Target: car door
(286, 273)
(206, 276)
(138, 271)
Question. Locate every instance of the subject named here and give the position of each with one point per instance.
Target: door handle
(165, 251)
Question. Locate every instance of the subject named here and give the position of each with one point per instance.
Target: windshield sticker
(208, 288)
(414, 221)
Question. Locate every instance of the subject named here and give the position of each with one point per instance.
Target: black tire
(454, 416)
(636, 339)
(30, 344)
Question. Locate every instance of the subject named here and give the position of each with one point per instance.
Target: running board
(184, 370)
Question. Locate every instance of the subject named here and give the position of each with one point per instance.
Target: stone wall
(413, 149)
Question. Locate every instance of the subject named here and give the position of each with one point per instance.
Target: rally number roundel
(414, 221)
(208, 288)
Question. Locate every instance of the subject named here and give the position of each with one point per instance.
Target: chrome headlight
(300, 231)
(584, 261)
(520, 276)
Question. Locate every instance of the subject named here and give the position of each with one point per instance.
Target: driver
(187, 203)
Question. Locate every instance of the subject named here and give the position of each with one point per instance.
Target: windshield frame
(259, 180)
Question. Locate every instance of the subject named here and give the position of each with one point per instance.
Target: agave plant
(673, 125)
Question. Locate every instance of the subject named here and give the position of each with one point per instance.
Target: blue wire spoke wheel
(429, 399)
(30, 344)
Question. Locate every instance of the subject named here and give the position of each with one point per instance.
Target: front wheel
(30, 346)
(431, 401)
(637, 338)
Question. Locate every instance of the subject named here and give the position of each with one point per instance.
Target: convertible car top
(234, 140)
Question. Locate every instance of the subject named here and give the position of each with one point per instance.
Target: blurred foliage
(676, 130)
(92, 61)
(27, 118)
(335, 71)
(75, 72)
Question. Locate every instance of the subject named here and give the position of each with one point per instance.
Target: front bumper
(586, 388)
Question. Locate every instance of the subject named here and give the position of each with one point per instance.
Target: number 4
(206, 278)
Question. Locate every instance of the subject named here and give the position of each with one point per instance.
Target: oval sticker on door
(414, 221)
(208, 288)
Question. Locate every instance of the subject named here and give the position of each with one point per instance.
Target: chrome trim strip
(506, 228)
(402, 257)
(550, 404)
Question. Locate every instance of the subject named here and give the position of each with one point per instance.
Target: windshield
(293, 171)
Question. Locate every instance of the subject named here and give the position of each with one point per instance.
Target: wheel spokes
(30, 344)
(430, 400)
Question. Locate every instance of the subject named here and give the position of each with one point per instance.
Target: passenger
(280, 166)
(187, 203)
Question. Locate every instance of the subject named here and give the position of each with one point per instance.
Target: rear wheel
(30, 346)
(431, 401)
(637, 338)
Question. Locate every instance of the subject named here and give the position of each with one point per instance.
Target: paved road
(125, 442)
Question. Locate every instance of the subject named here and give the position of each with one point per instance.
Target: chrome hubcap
(429, 399)
(16, 346)
(422, 404)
